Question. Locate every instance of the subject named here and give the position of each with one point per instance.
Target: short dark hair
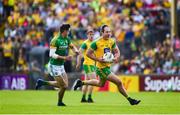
(89, 30)
(102, 27)
(64, 27)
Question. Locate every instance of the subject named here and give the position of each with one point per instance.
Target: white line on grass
(90, 114)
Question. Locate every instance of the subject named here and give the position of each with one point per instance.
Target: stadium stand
(140, 27)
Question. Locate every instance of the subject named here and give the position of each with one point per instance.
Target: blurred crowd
(162, 59)
(30, 23)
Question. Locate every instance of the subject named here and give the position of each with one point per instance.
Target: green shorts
(89, 68)
(103, 73)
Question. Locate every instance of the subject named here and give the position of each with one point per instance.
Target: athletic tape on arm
(52, 53)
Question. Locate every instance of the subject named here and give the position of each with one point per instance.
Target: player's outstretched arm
(74, 48)
(53, 54)
(90, 54)
(79, 57)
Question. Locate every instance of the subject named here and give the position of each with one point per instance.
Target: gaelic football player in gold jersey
(99, 47)
(88, 66)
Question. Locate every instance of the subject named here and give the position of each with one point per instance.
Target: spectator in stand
(21, 63)
(176, 47)
(7, 53)
(1, 55)
(35, 22)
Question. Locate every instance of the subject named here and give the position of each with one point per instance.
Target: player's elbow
(88, 55)
(117, 55)
(80, 55)
(52, 53)
(55, 56)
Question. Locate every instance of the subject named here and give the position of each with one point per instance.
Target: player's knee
(93, 78)
(119, 82)
(101, 84)
(65, 86)
(88, 78)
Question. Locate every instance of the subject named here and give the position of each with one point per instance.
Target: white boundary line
(88, 114)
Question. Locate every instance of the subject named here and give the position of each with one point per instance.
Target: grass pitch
(44, 102)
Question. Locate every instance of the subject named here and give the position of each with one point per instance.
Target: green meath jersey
(62, 45)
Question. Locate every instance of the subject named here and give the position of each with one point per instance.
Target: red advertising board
(159, 83)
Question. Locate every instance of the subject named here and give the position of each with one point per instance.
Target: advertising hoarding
(159, 83)
(13, 81)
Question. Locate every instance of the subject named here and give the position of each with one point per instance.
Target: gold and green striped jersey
(85, 46)
(100, 47)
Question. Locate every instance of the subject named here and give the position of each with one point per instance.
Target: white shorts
(56, 70)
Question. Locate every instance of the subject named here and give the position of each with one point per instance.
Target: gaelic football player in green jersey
(58, 55)
(99, 47)
(88, 65)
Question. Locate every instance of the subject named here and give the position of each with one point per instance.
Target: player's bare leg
(113, 78)
(84, 91)
(41, 82)
(90, 88)
(60, 82)
(93, 82)
(63, 81)
(54, 83)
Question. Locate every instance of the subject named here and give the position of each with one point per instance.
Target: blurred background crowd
(140, 27)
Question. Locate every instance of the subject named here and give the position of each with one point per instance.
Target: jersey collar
(61, 37)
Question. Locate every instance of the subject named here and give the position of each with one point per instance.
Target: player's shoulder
(85, 41)
(55, 38)
(113, 40)
(84, 44)
(97, 40)
(95, 43)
